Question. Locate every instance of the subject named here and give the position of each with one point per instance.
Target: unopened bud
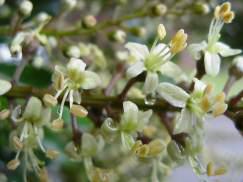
(201, 8)
(49, 100)
(4, 114)
(17, 143)
(57, 124)
(89, 21)
(25, 7)
(13, 164)
(78, 110)
(158, 10)
(118, 36)
(138, 31)
(42, 18)
(52, 154)
(161, 31)
(69, 4)
(74, 51)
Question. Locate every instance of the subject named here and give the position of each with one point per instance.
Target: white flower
(195, 105)
(213, 48)
(69, 80)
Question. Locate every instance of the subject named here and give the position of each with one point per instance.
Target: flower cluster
(29, 134)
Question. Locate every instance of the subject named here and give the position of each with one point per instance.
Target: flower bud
(52, 154)
(69, 4)
(57, 124)
(156, 147)
(71, 150)
(158, 10)
(89, 145)
(33, 110)
(17, 143)
(201, 8)
(78, 110)
(25, 7)
(49, 100)
(161, 31)
(138, 31)
(89, 21)
(74, 51)
(42, 18)
(4, 114)
(13, 164)
(118, 36)
(108, 129)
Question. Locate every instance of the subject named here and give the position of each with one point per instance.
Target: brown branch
(77, 134)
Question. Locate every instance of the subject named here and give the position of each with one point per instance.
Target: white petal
(77, 97)
(158, 49)
(151, 82)
(225, 50)
(130, 111)
(5, 86)
(172, 70)
(199, 86)
(76, 64)
(91, 80)
(135, 69)
(140, 51)
(195, 49)
(143, 118)
(71, 98)
(238, 62)
(211, 63)
(127, 141)
(173, 94)
(184, 122)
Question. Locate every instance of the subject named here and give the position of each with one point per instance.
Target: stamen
(63, 102)
(39, 140)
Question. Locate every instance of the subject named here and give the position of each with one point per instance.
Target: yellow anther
(79, 111)
(156, 147)
(161, 31)
(149, 131)
(17, 143)
(57, 124)
(220, 171)
(219, 109)
(208, 90)
(220, 97)
(210, 169)
(205, 104)
(52, 154)
(49, 100)
(224, 8)
(43, 175)
(178, 42)
(137, 144)
(13, 164)
(228, 17)
(143, 151)
(58, 80)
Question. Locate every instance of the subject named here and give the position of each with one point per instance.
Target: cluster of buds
(69, 81)
(28, 135)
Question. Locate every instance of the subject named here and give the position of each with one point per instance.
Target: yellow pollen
(210, 169)
(219, 109)
(228, 17)
(79, 111)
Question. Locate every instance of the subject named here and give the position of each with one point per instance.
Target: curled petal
(196, 49)
(225, 50)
